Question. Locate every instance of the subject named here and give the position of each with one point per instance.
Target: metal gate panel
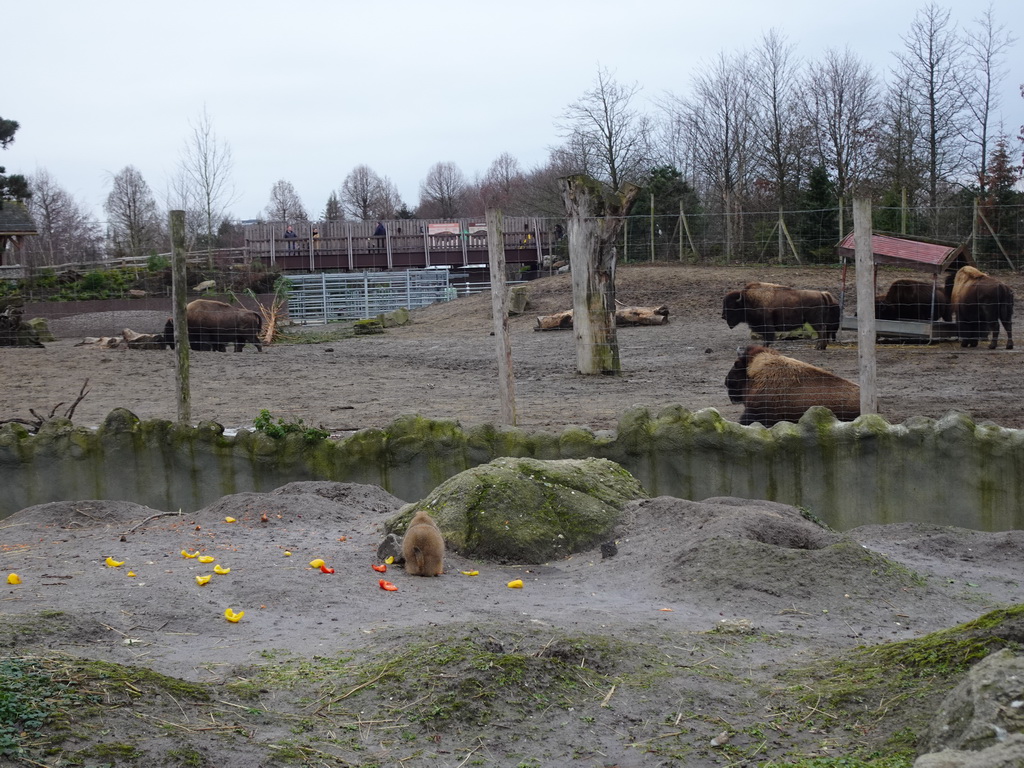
(327, 296)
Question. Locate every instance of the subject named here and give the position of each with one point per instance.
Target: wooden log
(562, 321)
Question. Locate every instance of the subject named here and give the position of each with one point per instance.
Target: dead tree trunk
(595, 219)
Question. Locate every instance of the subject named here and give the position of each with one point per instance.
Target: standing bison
(776, 388)
(769, 309)
(911, 299)
(980, 303)
(212, 325)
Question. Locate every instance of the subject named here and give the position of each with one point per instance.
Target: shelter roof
(909, 252)
(15, 219)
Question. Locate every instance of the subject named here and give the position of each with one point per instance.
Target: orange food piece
(387, 585)
(325, 569)
(380, 568)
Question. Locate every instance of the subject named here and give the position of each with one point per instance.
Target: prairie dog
(423, 547)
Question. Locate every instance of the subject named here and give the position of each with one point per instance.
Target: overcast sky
(306, 90)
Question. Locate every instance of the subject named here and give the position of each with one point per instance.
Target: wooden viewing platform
(406, 244)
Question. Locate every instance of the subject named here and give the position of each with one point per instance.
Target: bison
(911, 299)
(212, 325)
(980, 303)
(776, 388)
(769, 309)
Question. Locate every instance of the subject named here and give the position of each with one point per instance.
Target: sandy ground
(683, 570)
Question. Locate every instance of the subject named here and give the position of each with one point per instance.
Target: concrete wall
(947, 472)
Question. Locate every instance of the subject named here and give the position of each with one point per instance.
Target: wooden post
(865, 265)
(499, 315)
(652, 227)
(179, 293)
(594, 221)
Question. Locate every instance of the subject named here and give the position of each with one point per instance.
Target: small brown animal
(423, 547)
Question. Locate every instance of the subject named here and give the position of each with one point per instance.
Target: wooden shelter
(15, 225)
(909, 253)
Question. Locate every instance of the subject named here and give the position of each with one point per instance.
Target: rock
(518, 299)
(1006, 754)
(41, 328)
(390, 547)
(135, 293)
(527, 510)
(982, 717)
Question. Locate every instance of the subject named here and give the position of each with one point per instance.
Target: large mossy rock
(527, 510)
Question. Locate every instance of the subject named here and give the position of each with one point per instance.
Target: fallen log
(135, 340)
(561, 321)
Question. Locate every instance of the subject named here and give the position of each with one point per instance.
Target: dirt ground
(443, 365)
(682, 647)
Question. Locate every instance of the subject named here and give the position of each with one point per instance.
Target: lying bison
(769, 309)
(212, 325)
(776, 388)
(912, 299)
(980, 303)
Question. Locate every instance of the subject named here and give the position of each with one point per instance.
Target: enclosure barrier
(329, 296)
(949, 471)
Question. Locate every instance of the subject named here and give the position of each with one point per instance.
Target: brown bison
(776, 388)
(769, 309)
(980, 303)
(911, 299)
(212, 325)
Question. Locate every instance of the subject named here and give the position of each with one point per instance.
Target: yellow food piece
(515, 584)
(184, 553)
(232, 616)
(200, 580)
(470, 573)
(287, 553)
(389, 559)
(113, 563)
(206, 558)
(222, 571)
(130, 573)
(13, 578)
(229, 519)
(316, 563)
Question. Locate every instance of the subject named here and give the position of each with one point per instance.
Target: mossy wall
(947, 472)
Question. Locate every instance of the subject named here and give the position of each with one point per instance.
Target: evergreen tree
(817, 231)
(15, 186)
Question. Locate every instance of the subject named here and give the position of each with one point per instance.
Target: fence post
(499, 316)
(865, 265)
(179, 293)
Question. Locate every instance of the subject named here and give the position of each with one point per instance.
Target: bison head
(736, 381)
(733, 308)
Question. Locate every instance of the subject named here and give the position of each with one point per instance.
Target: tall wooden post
(499, 315)
(179, 293)
(865, 264)
(594, 221)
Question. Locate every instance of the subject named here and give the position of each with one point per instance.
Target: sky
(306, 90)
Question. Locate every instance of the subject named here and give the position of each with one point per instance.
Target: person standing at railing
(380, 233)
(291, 236)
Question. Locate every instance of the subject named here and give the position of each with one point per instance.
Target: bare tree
(606, 134)
(205, 168)
(987, 45)
(716, 123)
(900, 164)
(442, 192)
(132, 214)
(67, 232)
(933, 65)
(285, 204)
(842, 102)
(359, 193)
(503, 184)
(780, 125)
(389, 201)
